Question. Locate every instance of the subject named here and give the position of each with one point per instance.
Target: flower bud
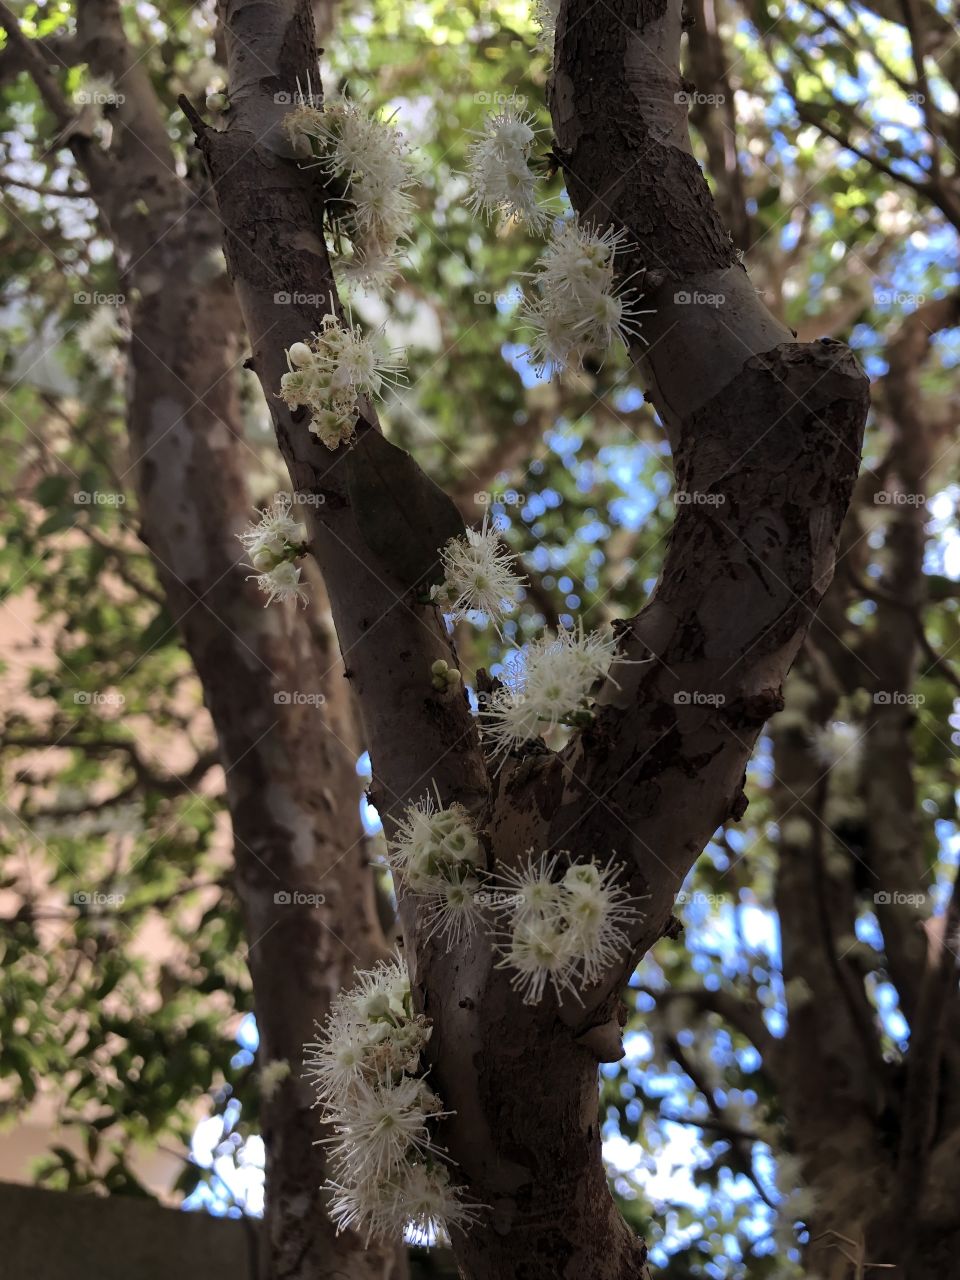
(300, 355)
(264, 560)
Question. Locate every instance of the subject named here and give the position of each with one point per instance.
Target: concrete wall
(55, 1235)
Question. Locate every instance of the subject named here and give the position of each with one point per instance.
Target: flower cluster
(501, 180)
(272, 544)
(437, 853)
(372, 161)
(551, 686)
(478, 575)
(100, 339)
(327, 375)
(566, 930)
(388, 1172)
(578, 310)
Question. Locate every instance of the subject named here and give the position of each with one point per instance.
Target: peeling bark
(291, 781)
(770, 427)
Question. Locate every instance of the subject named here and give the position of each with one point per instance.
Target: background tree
(836, 246)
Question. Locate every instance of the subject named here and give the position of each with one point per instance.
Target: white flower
(508, 719)
(419, 1200)
(371, 1030)
(436, 851)
(538, 951)
(369, 1208)
(434, 846)
(275, 537)
(358, 362)
(335, 1065)
(548, 687)
(98, 91)
(577, 311)
(272, 1076)
(379, 1127)
(203, 76)
(453, 913)
(429, 1204)
(372, 162)
(302, 123)
(838, 743)
(478, 575)
(388, 1174)
(327, 375)
(98, 338)
(501, 180)
(379, 995)
(568, 931)
(598, 914)
(282, 583)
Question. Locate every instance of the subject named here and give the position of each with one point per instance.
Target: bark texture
(878, 1139)
(301, 871)
(769, 430)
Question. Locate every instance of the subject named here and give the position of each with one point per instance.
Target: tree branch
(756, 418)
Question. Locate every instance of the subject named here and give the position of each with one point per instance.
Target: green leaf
(52, 490)
(61, 518)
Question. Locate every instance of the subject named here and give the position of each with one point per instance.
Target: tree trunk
(302, 876)
(879, 1142)
(768, 427)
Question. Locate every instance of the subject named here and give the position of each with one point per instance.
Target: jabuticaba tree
(301, 872)
(766, 434)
